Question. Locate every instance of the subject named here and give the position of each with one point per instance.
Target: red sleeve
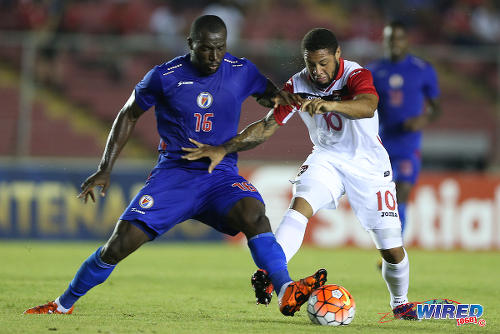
(360, 81)
(281, 112)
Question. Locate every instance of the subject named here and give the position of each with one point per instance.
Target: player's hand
(416, 123)
(314, 106)
(98, 179)
(214, 153)
(285, 98)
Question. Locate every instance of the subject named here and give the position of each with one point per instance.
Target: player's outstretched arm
(273, 97)
(253, 135)
(361, 106)
(118, 136)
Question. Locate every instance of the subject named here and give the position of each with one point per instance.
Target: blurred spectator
(231, 12)
(166, 23)
(485, 22)
(49, 70)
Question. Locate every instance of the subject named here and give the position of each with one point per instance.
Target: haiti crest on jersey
(204, 100)
(146, 201)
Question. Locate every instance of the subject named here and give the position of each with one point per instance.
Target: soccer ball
(331, 305)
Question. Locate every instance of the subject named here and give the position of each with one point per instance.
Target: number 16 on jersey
(203, 122)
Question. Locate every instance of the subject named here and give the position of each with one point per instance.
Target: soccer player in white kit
(338, 107)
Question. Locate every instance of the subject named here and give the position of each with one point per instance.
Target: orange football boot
(297, 293)
(49, 308)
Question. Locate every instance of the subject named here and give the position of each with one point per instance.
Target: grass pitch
(205, 288)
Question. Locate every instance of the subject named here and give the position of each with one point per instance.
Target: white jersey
(348, 156)
(346, 139)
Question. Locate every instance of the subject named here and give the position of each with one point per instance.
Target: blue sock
(92, 272)
(268, 255)
(402, 215)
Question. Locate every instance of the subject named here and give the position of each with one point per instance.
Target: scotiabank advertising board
(447, 210)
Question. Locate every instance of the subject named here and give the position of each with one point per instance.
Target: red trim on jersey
(281, 112)
(341, 69)
(360, 81)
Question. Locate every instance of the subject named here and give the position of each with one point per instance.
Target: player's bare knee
(253, 223)
(393, 255)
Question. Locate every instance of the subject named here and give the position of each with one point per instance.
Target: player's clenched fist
(315, 106)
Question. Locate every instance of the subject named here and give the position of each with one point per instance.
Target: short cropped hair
(210, 23)
(319, 38)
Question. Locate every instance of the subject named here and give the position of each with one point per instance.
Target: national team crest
(396, 81)
(146, 202)
(204, 100)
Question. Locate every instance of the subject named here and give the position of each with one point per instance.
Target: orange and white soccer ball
(331, 305)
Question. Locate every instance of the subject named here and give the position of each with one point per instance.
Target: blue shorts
(173, 195)
(406, 169)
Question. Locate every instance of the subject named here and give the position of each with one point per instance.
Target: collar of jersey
(194, 71)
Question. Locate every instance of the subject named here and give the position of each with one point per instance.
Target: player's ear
(338, 53)
(190, 43)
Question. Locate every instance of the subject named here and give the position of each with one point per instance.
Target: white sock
(61, 308)
(282, 291)
(397, 278)
(290, 232)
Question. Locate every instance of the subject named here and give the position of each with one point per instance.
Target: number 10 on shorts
(388, 199)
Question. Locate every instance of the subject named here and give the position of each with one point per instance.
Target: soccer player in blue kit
(405, 84)
(197, 97)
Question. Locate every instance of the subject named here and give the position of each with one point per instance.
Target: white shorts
(322, 181)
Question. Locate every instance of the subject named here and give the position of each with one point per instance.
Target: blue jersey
(204, 108)
(402, 88)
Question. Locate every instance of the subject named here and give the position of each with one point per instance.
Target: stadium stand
(97, 80)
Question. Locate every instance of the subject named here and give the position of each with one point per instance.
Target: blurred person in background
(231, 12)
(168, 25)
(339, 108)
(408, 101)
(47, 19)
(197, 96)
(485, 22)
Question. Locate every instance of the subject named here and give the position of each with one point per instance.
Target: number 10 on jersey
(203, 123)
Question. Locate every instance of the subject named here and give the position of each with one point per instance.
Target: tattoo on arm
(253, 135)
